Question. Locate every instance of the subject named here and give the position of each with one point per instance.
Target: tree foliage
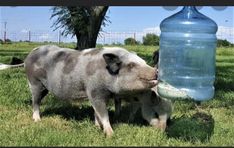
(223, 43)
(151, 39)
(130, 41)
(82, 22)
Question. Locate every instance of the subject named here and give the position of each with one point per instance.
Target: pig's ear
(154, 98)
(113, 63)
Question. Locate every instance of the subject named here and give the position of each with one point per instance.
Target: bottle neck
(189, 10)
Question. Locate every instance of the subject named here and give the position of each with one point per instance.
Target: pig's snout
(154, 81)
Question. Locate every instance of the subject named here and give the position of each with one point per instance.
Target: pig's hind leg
(97, 121)
(38, 93)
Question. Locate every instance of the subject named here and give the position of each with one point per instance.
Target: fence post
(4, 36)
(134, 36)
(59, 37)
(29, 36)
(5, 23)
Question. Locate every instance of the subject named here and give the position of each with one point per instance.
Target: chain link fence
(104, 37)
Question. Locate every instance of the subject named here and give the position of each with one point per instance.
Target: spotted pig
(96, 73)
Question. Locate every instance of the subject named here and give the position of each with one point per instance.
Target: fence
(105, 37)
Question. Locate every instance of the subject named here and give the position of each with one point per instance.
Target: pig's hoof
(36, 117)
(154, 122)
(109, 132)
(161, 125)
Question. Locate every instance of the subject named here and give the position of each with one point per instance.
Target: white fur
(4, 66)
(134, 58)
(88, 50)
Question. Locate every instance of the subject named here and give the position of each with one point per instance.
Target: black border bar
(116, 2)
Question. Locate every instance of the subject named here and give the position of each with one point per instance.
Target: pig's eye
(131, 65)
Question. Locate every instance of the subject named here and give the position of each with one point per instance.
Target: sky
(124, 21)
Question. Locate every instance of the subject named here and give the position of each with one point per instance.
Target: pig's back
(55, 66)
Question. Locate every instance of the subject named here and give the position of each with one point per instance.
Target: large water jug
(187, 56)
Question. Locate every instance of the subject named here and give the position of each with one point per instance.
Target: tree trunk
(85, 41)
(88, 39)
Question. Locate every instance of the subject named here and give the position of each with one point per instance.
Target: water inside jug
(187, 55)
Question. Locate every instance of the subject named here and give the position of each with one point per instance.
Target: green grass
(72, 123)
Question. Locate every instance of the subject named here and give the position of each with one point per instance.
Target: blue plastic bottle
(187, 55)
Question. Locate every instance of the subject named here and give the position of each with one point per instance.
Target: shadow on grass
(124, 117)
(82, 111)
(69, 111)
(224, 78)
(198, 127)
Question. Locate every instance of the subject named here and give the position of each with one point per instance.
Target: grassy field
(72, 123)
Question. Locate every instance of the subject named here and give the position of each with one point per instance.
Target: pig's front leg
(98, 101)
(134, 106)
(148, 115)
(162, 121)
(117, 106)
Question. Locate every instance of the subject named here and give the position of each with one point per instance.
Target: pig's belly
(78, 94)
(65, 86)
(68, 91)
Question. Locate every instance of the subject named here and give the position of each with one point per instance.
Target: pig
(154, 109)
(96, 73)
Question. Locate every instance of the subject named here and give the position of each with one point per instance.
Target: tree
(130, 41)
(151, 39)
(223, 43)
(8, 41)
(83, 22)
